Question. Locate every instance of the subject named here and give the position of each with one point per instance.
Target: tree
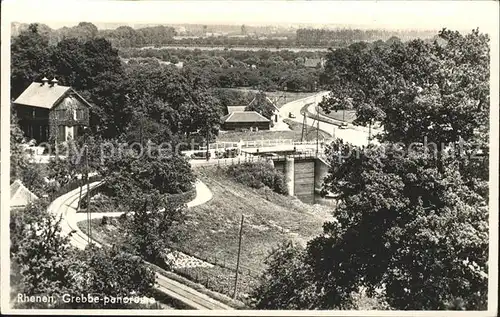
(262, 105)
(287, 282)
(44, 263)
(411, 223)
(94, 69)
(181, 104)
(153, 169)
(416, 80)
(20, 167)
(30, 59)
(18, 155)
(42, 254)
(396, 217)
(110, 272)
(150, 227)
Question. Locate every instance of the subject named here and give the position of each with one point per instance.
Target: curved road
(354, 136)
(65, 206)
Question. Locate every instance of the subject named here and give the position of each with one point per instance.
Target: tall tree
(151, 226)
(114, 273)
(30, 59)
(411, 221)
(42, 254)
(444, 84)
(262, 105)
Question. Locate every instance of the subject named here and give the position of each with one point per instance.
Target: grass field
(211, 230)
(350, 115)
(281, 97)
(295, 134)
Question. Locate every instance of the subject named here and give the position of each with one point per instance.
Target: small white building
(20, 196)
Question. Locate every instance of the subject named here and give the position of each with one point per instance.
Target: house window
(80, 114)
(61, 133)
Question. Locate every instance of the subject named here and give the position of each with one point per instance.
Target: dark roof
(235, 108)
(245, 116)
(42, 95)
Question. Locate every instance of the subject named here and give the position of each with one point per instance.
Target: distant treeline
(344, 37)
(261, 69)
(126, 36)
(123, 36)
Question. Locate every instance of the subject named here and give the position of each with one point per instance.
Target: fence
(223, 262)
(72, 185)
(259, 144)
(250, 158)
(221, 276)
(219, 280)
(180, 197)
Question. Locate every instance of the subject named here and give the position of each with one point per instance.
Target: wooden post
(80, 183)
(304, 127)
(317, 137)
(208, 144)
(88, 194)
(370, 132)
(238, 259)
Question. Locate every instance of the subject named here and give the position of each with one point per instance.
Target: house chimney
(53, 82)
(44, 81)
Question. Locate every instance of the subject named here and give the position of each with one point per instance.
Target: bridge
(303, 163)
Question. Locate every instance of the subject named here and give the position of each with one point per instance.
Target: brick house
(52, 113)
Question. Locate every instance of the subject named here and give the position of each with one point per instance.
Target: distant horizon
(375, 15)
(135, 25)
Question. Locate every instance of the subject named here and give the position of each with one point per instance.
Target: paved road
(66, 205)
(356, 137)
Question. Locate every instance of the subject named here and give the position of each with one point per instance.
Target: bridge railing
(259, 143)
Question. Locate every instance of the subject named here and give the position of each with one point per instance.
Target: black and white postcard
(250, 157)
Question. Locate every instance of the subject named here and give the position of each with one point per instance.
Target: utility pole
(317, 123)
(89, 217)
(208, 144)
(304, 127)
(238, 260)
(370, 131)
(317, 137)
(80, 195)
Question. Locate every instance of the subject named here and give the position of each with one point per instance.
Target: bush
(258, 175)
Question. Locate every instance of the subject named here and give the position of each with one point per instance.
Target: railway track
(191, 298)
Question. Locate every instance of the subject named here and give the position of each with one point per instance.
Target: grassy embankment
(281, 97)
(350, 115)
(295, 133)
(211, 230)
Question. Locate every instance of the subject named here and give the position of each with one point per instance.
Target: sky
(430, 15)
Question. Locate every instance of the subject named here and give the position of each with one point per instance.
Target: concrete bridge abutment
(290, 175)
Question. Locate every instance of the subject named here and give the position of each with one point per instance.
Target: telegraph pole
(238, 260)
(317, 138)
(370, 132)
(208, 144)
(89, 217)
(304, 127)
(317, 124)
